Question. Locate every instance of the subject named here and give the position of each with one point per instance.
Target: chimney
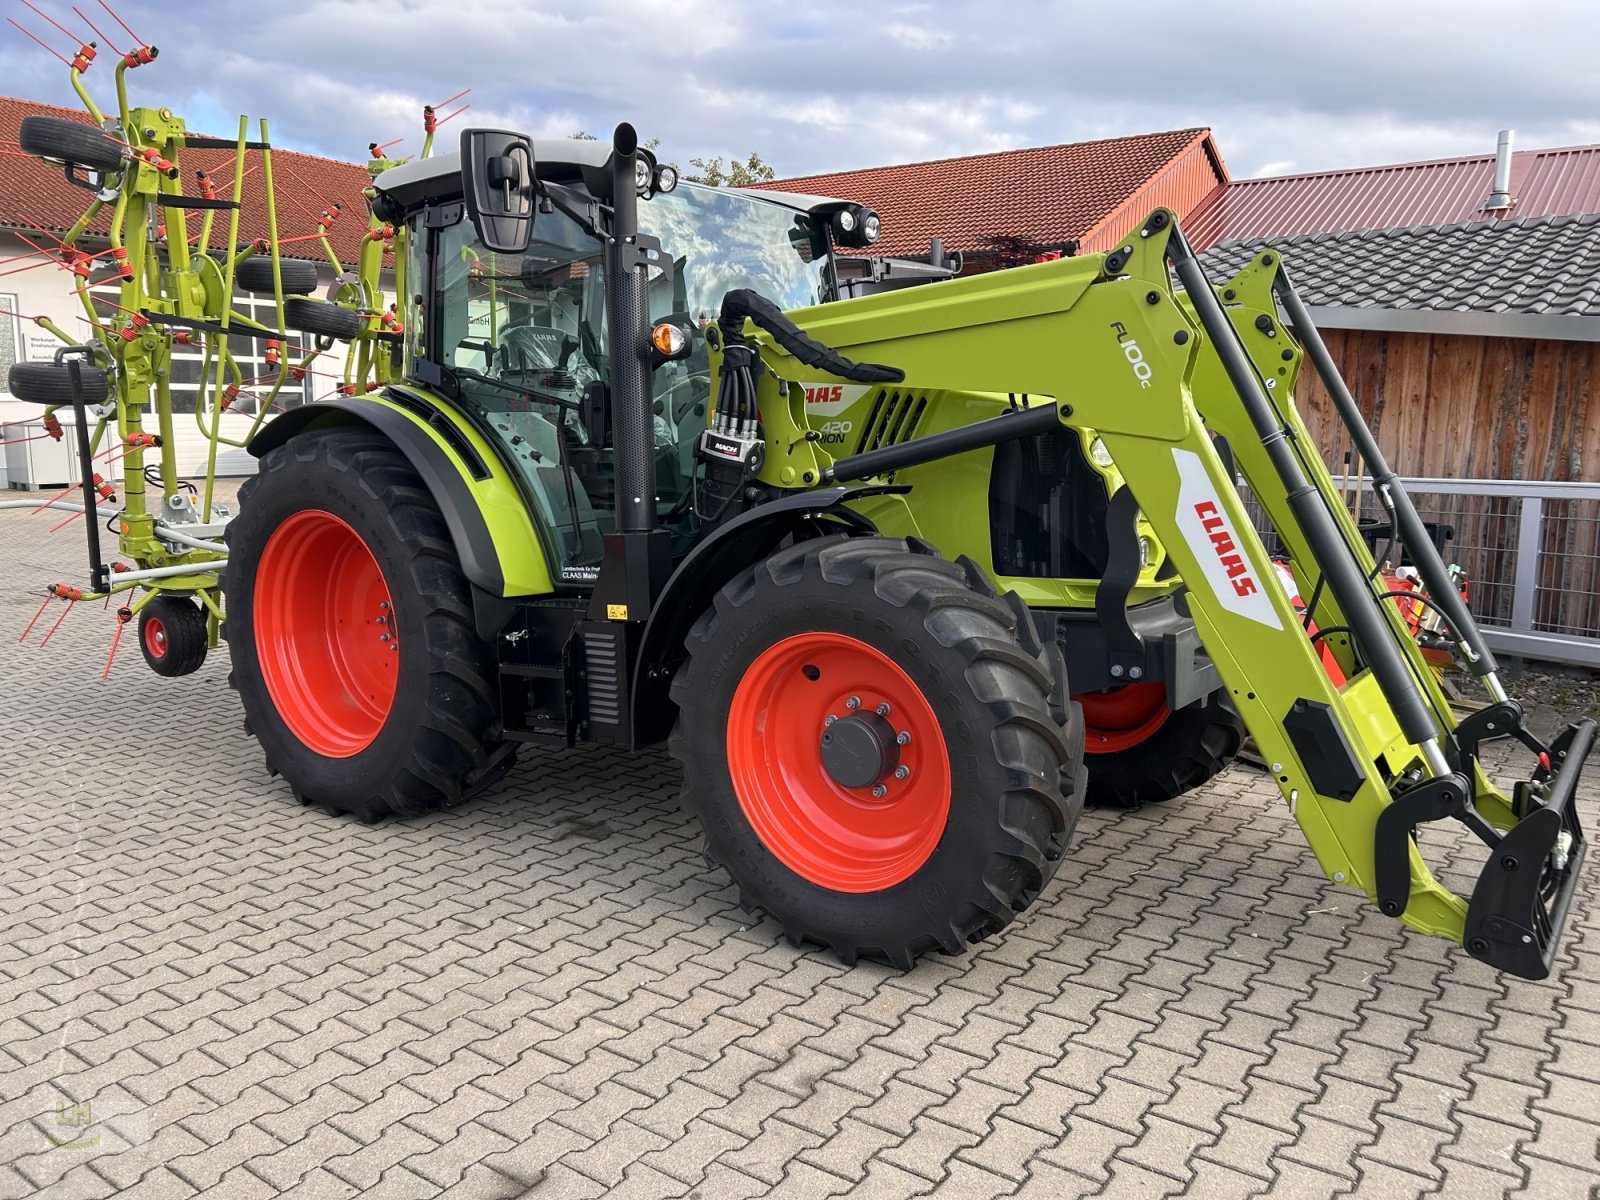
(1501, 199)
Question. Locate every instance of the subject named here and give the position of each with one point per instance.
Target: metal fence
(1531, 551)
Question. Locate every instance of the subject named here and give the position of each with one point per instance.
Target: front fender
(742, 542)
(487, 519)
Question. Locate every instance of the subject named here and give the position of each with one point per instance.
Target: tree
(738, 173)
(711, 171)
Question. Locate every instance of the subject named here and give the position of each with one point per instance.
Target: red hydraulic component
(153, 156)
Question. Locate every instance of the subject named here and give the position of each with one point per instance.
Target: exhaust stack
(1501, 198)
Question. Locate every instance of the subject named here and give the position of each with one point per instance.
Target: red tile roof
(34, 191)
(1088, 192)
(1546, 183)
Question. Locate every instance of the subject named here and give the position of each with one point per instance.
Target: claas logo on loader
(824, 394)
(1233, 562)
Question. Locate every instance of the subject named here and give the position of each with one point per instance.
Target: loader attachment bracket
(1391, 843)
(1522, 897)
(1501, 719)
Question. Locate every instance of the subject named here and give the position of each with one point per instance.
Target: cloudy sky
(833, 85)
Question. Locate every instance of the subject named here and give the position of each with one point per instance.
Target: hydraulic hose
(742, 303)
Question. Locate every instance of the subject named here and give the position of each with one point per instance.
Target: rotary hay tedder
(609, 476)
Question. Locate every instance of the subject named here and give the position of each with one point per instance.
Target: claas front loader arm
(1189, 388)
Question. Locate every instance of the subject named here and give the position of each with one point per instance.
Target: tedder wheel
(66, 141)
(172, 635)
(1139, 751)
(51, 383)
(350, 625)
(874, 745)
(320, 317)
(255, 275)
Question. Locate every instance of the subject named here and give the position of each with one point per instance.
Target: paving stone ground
(205, 988)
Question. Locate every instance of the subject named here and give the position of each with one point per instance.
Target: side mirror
(497, 183)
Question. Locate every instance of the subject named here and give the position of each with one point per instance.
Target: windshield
(525, 336)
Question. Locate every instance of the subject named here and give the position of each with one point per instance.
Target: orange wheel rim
(838, 762)
(325, 633)
(1120, 718)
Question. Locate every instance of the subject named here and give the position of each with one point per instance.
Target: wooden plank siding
(1450, 406)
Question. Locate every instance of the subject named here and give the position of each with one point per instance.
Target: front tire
(172, 635)
(351, 630)
(921, 666)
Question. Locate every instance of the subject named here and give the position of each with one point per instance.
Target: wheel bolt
(384, 605)
(903, 738)
(902, 772)
(883, 709)
(853, 703)
(878, 791)
(829, 719)
(383, 637)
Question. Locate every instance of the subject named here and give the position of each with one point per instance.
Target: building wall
(46, 290)
(1451, 406)
(1466, 407)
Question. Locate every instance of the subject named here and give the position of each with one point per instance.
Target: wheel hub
(859, 750)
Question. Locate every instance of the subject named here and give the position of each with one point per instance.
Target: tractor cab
(519, 340)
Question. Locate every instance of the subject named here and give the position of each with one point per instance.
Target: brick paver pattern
(206, 988)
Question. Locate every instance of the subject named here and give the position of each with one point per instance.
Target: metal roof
(1563, 181)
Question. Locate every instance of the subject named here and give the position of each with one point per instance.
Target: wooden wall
(1483, 408)
(1466, 407)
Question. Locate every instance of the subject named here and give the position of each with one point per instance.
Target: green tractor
(631, 488)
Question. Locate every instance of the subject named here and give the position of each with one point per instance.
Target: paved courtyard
(205, 988)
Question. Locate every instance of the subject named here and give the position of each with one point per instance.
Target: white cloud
(1322, 84)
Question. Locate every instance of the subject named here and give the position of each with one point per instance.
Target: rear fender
(488, 521)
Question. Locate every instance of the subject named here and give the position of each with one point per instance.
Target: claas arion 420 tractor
(848, 558)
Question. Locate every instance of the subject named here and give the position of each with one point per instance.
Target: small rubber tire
(989, 686)
(299, 277)
(61, 140)
(1191, 746)
(320, 317)
(438, 742)
(172, 635)
(51, 383)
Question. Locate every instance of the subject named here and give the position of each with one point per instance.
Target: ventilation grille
(603, 661)
(894, 419)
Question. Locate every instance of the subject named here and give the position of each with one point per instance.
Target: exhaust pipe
(1501, 198)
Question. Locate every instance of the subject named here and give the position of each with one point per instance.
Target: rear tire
(1169, 757)
(947, 854)
(360, 715)
(172, 635)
